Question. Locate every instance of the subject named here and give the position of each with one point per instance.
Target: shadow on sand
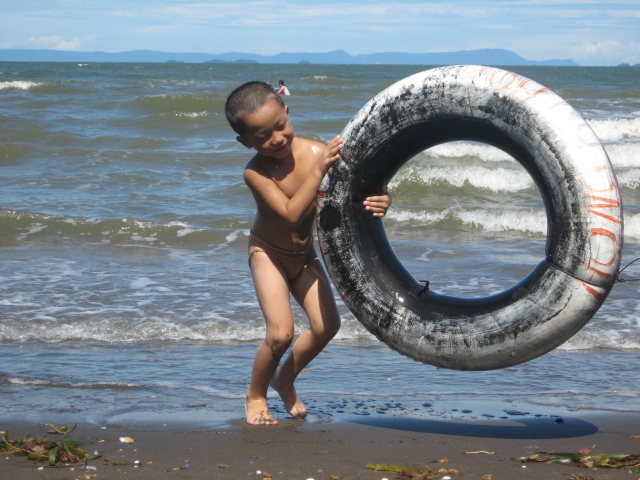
(522, 428)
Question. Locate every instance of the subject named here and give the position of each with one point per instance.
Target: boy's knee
(279, 343)
(329, 329)
(333, 328)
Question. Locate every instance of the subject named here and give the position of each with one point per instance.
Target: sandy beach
(301, 449)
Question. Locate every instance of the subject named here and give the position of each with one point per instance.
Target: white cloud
(593, 52)
(57, 42)
(270, 12)
(122, 14)
(159, 29)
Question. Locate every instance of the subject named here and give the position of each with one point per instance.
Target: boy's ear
(243, 141)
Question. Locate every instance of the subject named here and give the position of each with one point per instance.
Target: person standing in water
(282, 88)
(284, 176)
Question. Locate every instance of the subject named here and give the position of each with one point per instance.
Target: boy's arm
(379, 204)
(293, 210)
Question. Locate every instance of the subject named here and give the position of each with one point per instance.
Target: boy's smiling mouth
(282, 149)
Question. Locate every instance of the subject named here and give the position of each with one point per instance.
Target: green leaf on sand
(54, 454)
(379, 467)
(585, 460)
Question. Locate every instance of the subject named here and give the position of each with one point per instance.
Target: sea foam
(494, 179)
(18, 85)
(616, 129)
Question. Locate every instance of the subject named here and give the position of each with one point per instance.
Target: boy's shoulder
(304, 148)
(306, 141)
(308, 147)
(252, 163)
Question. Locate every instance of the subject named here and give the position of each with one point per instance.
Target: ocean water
(125, 295)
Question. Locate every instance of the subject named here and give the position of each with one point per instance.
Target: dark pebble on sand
(515, 412)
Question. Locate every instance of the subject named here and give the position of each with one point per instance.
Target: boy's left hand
(378, 205)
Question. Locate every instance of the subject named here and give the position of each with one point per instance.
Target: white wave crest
(119, 330)
(486, 153)
(611, 338)
(624, 154)
(531, 221)
(416, 216)
(632, 227)
(192, 114)
(494, 179)
(18, 85)
(629, 179)
(616, 129)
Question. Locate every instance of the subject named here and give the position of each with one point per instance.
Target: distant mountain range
(485, 56)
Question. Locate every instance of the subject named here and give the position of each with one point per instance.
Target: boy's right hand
(331, 154)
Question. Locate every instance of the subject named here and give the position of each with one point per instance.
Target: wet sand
(340, 448)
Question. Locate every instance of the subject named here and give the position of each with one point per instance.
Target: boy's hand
(331, 154)
(378, 205)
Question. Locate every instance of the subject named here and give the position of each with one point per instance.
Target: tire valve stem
(426, 286)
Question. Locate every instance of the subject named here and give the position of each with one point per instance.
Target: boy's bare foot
(290, 397)
(257, 413)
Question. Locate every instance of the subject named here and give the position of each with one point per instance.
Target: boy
(284, 176)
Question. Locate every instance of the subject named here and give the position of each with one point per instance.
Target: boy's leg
(272, 291)
(312, 291)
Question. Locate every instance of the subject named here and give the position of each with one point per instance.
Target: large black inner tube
(553, 302)
(378, 255)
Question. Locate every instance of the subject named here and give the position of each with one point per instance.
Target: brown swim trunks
(291, 261)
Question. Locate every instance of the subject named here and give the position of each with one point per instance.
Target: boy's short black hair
(246, 99)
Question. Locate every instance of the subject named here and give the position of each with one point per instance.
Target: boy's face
(268, 130)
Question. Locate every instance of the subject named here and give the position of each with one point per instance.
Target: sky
(589, 32)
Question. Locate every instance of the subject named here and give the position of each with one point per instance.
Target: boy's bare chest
(291, 182)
